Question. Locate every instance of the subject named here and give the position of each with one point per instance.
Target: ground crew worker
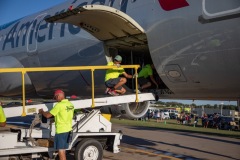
(63, 114)
(2, 117)
(112, 80)
(147, 71)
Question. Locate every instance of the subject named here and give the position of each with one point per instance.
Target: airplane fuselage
(194, 46)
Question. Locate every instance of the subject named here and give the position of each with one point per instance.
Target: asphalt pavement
(141, 143)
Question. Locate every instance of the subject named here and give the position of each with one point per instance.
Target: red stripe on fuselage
(169, 5)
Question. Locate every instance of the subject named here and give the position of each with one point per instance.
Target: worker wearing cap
(112, 80)
(2, 117)
(63, 114)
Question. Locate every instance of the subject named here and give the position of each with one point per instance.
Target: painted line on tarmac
(150, 153)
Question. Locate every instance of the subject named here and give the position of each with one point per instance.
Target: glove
(135, 75)
(118, 65)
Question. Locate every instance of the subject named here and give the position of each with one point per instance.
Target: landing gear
(89, 149)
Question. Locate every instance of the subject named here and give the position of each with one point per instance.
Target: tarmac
(147, 143)
(141, 143)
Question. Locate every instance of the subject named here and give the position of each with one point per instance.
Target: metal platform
(81, 103)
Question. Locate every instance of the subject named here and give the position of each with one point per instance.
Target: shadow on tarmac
(148, 144)
(144, 144)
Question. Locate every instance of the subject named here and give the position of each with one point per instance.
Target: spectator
(188, 119)
(205, 120)
(162, 116)
(158, 116)
(195, 120)
(178, 118)
(182, 118)
(148, 114)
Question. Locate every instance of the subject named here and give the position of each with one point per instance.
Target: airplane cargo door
(103, 22)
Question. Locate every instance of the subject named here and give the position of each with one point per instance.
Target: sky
(11, 10)
(14, 9)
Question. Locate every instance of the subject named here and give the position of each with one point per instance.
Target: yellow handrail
(93, 104)
(40, 69)
(23, 94)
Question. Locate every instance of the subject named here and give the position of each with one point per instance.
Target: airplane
(194, 46)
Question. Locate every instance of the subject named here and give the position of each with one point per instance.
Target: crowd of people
(218, 122)
(208, 121)
(187, 118)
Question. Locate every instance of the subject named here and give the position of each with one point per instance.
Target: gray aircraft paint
(196, 54)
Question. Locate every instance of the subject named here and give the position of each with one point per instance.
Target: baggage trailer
(91, 134)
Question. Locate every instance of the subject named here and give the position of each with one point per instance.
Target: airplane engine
(11, 83)
(127, 110)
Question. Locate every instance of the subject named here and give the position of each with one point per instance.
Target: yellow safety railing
(47, 69)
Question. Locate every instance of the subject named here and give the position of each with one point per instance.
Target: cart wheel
(89, 149)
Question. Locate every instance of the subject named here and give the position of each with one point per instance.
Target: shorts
(142, 81)
(61, 140)
(112, 82)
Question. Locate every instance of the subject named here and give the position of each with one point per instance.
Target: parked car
(225, 122)
(220, 122)
(172, 116)
(166, 114)
(171, 111)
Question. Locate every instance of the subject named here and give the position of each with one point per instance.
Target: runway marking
(150, 153)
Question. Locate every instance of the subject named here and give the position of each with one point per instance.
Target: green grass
(173, 126)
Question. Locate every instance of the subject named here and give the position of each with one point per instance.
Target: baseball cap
(58, 91)
(118, 58)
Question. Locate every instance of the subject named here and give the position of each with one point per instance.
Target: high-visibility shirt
(146, 71)
(63, 115)
(2, 115)
(113, 73)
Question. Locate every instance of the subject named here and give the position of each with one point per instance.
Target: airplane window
(10, 35)
(14, 35)
(4, 37)
(24, 31)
